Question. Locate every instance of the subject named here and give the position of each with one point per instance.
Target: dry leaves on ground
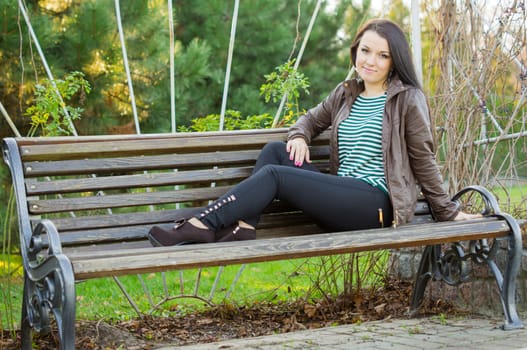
(228, 322)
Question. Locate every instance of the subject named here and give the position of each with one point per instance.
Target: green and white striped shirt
(360, 142)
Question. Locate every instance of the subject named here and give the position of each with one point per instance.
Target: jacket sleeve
(421, 153)
(318, 118)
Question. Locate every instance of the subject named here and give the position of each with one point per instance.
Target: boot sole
(156, 243)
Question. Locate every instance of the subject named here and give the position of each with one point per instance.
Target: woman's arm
(318, 118)
(421, 153)
(315, 121)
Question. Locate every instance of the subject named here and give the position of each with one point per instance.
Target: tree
(266, 38)
(82, 36)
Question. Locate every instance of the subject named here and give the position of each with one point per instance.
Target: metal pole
(229, 64)
(416, 40)
(22, 8)
(298, 59)
(126, 66)
(9, 121)
(172, 70)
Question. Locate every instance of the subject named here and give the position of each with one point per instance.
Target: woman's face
(373, 59)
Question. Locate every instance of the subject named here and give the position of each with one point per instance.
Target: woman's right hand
(298, 151)
(466, 216)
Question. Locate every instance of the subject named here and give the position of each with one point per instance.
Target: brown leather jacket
(407, 142)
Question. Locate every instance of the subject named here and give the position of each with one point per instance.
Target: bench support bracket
(49, 288)
(450, 265)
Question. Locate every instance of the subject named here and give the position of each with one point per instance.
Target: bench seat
(119, 260)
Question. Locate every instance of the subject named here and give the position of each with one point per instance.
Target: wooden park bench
(85, 205)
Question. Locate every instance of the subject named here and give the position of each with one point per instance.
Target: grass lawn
(258, 282)
(103, 299)
(512, 200)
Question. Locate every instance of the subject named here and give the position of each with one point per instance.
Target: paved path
(400, 334)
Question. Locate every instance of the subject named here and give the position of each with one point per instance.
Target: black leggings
(334, 202)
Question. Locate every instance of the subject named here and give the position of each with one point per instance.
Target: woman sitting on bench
(381, 145)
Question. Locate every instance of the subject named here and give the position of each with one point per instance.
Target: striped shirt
(360, 142)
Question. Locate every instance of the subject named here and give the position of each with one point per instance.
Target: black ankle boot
(183, 232)
(235, 233)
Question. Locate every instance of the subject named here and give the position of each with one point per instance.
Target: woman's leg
(275, 153)
(218, 224)
(336, 203)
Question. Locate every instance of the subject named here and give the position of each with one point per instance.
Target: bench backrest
(103, 189)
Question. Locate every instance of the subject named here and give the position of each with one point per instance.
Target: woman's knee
(272, 153)
(270, 169)
(274, 147)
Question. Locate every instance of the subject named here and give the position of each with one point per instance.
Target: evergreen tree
(266, 37)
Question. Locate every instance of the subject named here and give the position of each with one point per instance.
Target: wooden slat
(112, 234)
(275, 214)
(33, 149)
(38, 207)
(112, 246)
(203, 255)
(101, 248)
(120, 219)
(131, 146)
(129, 227)
(274, 225)
(270, 226)
(139, 163)
(105, 183)
(54, 140)
(142, 163)
(57, 140)
(99, 237)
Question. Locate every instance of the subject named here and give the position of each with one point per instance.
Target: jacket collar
(355, 86)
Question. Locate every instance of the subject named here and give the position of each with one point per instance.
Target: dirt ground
(228, 322)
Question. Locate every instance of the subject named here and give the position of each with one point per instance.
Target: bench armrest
(36, 243)
(490, 201)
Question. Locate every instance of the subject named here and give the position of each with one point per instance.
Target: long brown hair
(400, 53)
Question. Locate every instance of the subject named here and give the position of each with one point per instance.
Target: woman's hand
(298, 151)
(465, 216)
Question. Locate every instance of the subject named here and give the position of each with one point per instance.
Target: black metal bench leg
(25, 324)
(49, 290)
(429, 268)
(424, 274)
(66, 318)
(507, 284)
(63, 301)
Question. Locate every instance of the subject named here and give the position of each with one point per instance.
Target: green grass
(102, 298)
(512, 200)
(277, 281)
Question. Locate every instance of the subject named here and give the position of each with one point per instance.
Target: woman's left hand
(466, 216)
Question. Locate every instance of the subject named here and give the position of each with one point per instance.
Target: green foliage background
(83, 36)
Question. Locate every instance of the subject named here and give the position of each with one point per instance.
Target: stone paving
(399, 334)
